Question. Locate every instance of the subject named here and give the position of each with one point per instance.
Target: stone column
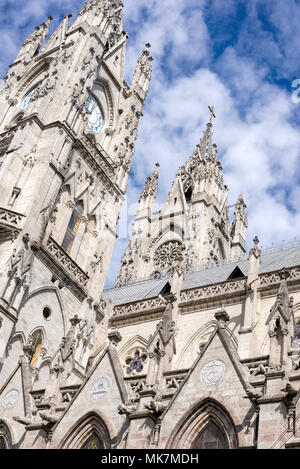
(250, 308)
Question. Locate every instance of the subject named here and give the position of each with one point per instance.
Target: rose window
(135, 362)
(168, 254)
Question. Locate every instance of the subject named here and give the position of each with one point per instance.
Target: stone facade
(198, 344)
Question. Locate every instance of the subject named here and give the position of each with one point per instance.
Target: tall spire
(34, 41)
(107, 14)
(142, 75)
(206, 146)
(239, 226)
(150, 189)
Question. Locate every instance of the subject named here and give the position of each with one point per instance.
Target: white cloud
(256, 127)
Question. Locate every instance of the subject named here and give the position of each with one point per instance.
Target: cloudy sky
(240, 56)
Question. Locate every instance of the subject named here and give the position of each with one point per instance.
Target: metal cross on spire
(212, 113)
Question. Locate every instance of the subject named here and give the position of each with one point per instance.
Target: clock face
(27, 98)
(95, 119)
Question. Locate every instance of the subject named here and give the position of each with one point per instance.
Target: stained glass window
(93, 443)
(210, 438)
(27, 98)
(95, 119)
(136, 362)
(38, 346)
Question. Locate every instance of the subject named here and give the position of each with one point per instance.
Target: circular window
(46, 312)
(95, 119)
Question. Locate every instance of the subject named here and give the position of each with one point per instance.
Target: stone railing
(273, 278)
(139, 307)
(99, 155)
(11, 219)
(220, 289)
(172, 380)
(62, 258)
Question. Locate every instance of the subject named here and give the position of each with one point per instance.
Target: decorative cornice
(11, 219)
(212, 291)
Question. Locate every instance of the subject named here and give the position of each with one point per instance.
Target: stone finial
(283, 274)
(222, 316)
(255, 251)
(114, 337)
(75, 320)
(150, 189)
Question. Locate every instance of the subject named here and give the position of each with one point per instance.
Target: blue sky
(239, 56)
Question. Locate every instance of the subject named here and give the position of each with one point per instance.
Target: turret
(239, 227)
(193, 227)
(67, 132)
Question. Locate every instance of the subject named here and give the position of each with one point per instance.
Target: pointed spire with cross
(212, 113)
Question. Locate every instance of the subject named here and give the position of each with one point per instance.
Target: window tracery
(168, 254)
(93, 442)
(135, 361)
(210, 438)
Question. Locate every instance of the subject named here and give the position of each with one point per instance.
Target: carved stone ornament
(213, 372)
(168, 254)
(100, 388)
(10, 399)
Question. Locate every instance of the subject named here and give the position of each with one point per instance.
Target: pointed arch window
(188, 194)
(211, 438)
(27, 98)
(38, 342)
(93, 442)
(72, 227)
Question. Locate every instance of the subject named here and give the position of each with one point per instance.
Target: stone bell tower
(68, 125)
(193, 228)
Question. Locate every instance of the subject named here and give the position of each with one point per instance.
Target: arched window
(27, 98)
(207, 425)
(90, 432)
(210, 438)
(72, 227)
(93, 443)
(38, 342)
(188, 194)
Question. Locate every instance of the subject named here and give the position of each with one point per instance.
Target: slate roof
(150, 288)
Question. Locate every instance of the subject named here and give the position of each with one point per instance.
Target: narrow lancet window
(72, 227)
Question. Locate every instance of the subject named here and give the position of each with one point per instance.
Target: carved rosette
(168, 255)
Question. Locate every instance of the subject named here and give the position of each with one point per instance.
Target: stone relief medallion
(100, 388)
(212, 372)
(10, 399)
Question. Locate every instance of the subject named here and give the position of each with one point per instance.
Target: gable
(236, 273)
(101, 394)
(217, 374)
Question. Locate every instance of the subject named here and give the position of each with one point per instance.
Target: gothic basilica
(198, 343)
